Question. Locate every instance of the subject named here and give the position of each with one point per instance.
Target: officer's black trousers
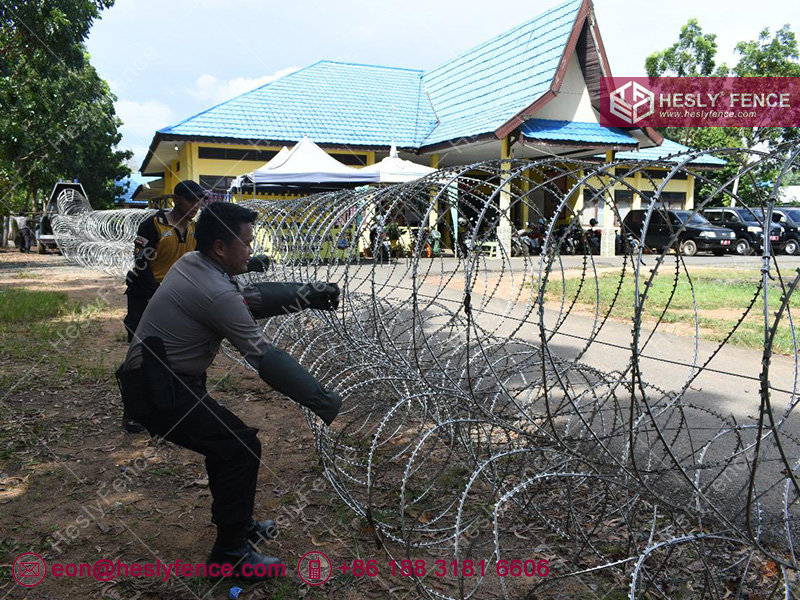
(199, 423)
(136, 305)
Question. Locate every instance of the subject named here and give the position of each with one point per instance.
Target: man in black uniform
(162, 379)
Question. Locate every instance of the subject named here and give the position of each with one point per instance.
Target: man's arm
(145, 247)
(271, 299)
(229, 316)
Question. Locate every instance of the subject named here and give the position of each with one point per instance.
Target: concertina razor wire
(490, 416)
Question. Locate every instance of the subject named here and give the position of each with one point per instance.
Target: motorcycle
(380, 244)
(591, 239)
(519, 243)
(568, 238)
(527, 242)
(433, 243)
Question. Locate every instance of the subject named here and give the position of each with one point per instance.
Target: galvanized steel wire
(489, 415)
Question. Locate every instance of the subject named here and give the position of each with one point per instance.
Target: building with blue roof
(502, 97)
(133, 191)
(526, 93)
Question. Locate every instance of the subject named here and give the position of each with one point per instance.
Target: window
(623, 199)
(216, 183)
(593, 207)
(235, 154)
(673, 200)
(657, 174)
(714, 217)
(353, 160)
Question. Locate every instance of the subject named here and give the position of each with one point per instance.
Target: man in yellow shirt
(160, 241)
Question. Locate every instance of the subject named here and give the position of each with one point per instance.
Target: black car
(747, 226)
(698, 234)
(789, 219)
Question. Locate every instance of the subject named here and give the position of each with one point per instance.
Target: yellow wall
(192, 167)
(640, 182)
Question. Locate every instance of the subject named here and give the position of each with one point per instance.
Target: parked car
(747, 226)
(698, 234)
(789, 219)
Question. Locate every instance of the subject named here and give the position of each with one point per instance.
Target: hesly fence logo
(632, 102)
(642, 102)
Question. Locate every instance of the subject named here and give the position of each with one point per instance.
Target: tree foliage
(694, 55)
(58, 119)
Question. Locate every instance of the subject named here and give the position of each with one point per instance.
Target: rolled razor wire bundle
(100, 239)
(556, 426)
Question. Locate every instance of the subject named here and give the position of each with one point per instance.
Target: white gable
(573, 102)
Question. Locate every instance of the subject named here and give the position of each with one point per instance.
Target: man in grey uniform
(162, 379)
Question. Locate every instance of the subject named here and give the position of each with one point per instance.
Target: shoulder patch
(138, 246)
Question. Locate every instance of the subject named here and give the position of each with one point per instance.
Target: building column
(636, 201)
(608, 239)
(577, 207)
(689, 193)
(526, 188)
(504, 226)
(433, 216)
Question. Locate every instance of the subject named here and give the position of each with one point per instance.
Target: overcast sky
(166, 61)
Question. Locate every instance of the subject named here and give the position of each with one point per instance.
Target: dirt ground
(75, 488)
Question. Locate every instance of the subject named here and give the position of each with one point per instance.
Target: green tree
(769, 56)
(694, 55)
(58, 118)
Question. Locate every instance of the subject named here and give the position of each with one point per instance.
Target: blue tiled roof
(482, 89)
(574, 131)
(343, 103)
(130, 185)
(664, 153)
(330, 102)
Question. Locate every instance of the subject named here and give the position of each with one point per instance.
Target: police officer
(160, 241)
(162, 379)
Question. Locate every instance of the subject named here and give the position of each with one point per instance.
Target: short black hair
(221, 221)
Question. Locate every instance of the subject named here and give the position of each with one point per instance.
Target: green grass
(226, 383)
(18, 305)
(727, 291)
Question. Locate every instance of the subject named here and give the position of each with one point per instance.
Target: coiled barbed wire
(100, 239)
(500, 409)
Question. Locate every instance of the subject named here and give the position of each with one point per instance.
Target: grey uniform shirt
(196, 306)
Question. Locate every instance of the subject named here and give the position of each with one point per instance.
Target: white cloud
(140, 122)
(210, 90)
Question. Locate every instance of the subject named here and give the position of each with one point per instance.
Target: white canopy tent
(394, 169)
(305, 164)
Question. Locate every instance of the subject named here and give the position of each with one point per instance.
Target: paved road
(727, 391)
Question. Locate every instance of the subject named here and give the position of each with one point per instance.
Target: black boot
(259, 531)
(246, 562)
(130, 425)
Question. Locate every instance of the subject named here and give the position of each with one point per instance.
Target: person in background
(160, 241)
(23, 232)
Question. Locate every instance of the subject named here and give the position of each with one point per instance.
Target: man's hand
(323, 295)
(258, 264)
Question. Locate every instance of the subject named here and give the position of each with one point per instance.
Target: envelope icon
(29, 569)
